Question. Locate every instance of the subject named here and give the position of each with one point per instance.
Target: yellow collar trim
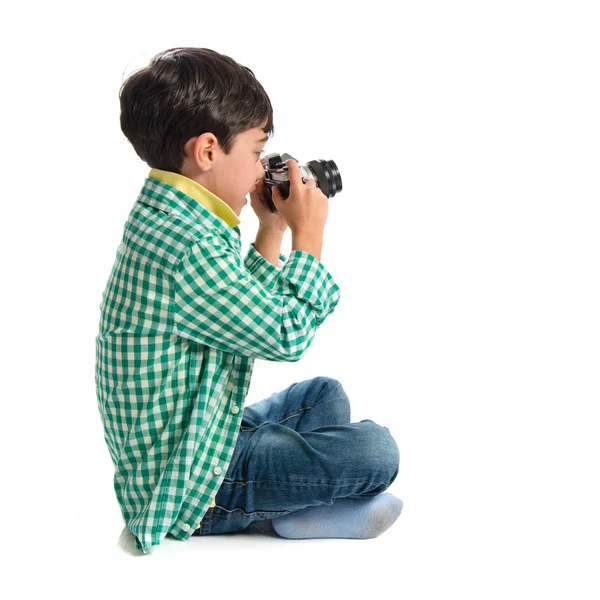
(199, 193)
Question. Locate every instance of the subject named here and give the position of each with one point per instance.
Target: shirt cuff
(307, 278)
(261, 269)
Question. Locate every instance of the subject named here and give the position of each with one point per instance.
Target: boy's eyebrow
(262, 140)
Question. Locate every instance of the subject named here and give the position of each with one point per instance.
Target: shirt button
(185, 526)
(235, 410)
(218, 470)
(229, 386)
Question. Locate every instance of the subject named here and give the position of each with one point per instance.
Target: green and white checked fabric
(182, 319)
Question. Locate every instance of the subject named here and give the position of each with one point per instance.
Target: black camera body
(324, 172)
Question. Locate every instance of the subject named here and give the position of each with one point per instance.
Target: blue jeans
(298, 448)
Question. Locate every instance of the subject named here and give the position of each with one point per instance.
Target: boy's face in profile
(230, 177)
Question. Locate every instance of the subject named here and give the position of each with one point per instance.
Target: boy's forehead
(257, 134)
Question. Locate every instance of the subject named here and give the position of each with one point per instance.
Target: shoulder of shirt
(167, 239)
(169, 236)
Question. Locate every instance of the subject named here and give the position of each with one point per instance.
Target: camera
(324, 172)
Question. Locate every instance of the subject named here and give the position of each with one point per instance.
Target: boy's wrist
(268, 243)
(270, 231)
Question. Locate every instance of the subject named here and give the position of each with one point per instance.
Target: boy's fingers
(258, 186)
(294, 172)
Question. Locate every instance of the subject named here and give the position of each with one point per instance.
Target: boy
(183, 318)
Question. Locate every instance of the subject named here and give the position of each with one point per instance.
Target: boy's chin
(241, 207)
(238, 206)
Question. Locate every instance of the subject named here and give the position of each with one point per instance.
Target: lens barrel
(327, 176)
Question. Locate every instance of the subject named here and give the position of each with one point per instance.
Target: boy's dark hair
(183, 93)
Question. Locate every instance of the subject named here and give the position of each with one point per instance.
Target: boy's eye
(259, 154)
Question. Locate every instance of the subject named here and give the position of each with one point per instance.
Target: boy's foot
(345, 518)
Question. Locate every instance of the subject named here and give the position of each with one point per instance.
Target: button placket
(185, 526)
(217, 470)
(234, 409)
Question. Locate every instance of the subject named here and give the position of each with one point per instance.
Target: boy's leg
(297, 449)
(280, 471)
(302, 406)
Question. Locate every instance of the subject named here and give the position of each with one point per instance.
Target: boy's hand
(306, 207)
(267, 219)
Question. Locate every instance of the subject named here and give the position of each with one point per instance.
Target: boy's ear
(203, 149)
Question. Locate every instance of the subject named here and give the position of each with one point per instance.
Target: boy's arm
(218, 302)
(262, 259)
(268, 243)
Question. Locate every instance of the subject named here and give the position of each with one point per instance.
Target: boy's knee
(380, 448)
(329, 385)
(324, 380)
(330, 390)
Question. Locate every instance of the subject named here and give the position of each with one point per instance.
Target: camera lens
(328, 176)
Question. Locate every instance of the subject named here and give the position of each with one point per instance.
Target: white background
(465, 243)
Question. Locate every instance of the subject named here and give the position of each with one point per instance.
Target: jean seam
(247, 514)
(282, 420)
(295, 414)
(279, 482)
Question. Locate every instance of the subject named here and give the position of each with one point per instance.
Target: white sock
(345, 518)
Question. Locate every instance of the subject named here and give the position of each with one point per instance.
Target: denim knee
(329, 384)
(379, 448)
(332, 387)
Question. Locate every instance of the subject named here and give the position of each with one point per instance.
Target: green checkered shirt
(182, 319)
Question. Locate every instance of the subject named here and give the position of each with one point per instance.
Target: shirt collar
(199, 193)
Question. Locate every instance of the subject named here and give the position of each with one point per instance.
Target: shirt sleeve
(261, 268)
(218, 302)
